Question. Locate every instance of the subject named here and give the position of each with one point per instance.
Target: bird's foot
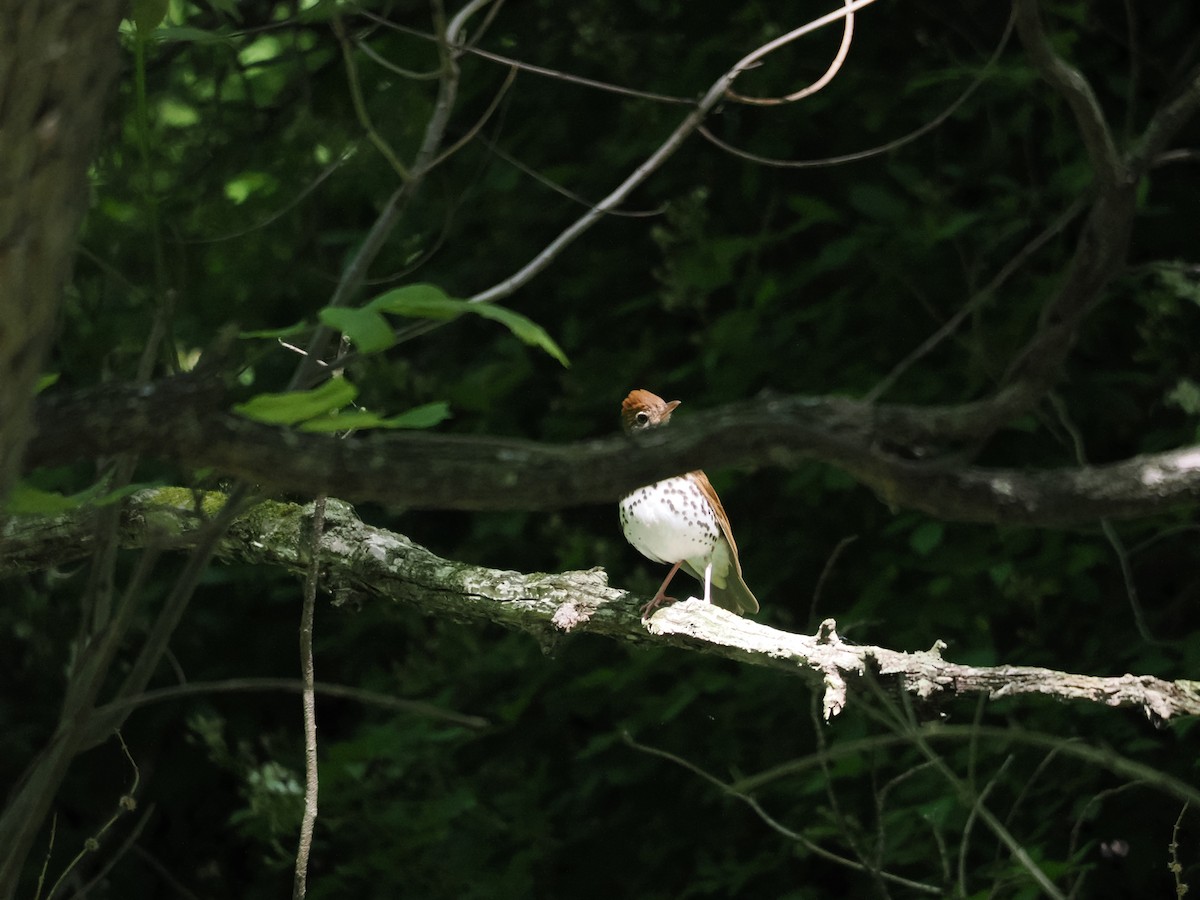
(659, 600)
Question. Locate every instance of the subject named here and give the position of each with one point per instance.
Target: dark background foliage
(222, 198)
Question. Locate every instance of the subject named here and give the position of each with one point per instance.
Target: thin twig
(881, 801)
(478, 126)
(826, 571)
(1181, 888)
(156, 642)
(248, 685)
(166, 874)
(392, 67)
(309, 702)
(882, 149)
(541, 179)
(1106, 526)
(127, 803)
(773, 824)
(873, 869)
(830, 73)
(973, 800)
(714, 95)
(968, 826)
(1134, 52)
(37, 894)
(1167, 122)
(556, 74)
(291, 204)
(360, 106)
(980, 298)
(126, 845)
(1073, 843)
(355, 272)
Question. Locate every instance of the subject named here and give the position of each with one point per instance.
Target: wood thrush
(680, 521)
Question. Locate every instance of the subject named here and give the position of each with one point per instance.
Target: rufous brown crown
(642, 409)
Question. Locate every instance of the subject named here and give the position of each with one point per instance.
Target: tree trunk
(57, 60)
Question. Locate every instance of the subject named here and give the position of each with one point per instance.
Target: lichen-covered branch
(374, 565)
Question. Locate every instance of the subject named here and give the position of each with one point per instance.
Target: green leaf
(1178, 279)
(119, 494)
(424, 416)
(298, 406)
(26, 500)
(877, 202)
(289, 331)
(148, 15)
(343, 420)
(811, 211)
(420, 301)
(46, 381)
(184, 34)
(1185, 395)
(525, 329)
(428, 301)
(926, 537)
(228, 7)
(366, 328)
(418, 417)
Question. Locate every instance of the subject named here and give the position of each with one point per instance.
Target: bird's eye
(642, 418)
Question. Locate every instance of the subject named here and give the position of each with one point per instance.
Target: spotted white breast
(670, 521)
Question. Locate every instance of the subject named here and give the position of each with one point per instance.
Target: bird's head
(642, 410)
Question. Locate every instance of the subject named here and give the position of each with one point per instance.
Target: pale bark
(372, 565)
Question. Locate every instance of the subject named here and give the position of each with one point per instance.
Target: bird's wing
(734, 595)
(701, 481)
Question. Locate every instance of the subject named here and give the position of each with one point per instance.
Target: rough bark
(57, 60)
(180, 420)
(372, 565)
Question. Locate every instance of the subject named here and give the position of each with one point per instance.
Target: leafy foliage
(238, 180)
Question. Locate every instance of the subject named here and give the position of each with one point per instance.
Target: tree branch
(377, 565)
(1167, 121)
(1075, 90)
(176, 420)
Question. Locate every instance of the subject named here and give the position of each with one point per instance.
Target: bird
(680, 521)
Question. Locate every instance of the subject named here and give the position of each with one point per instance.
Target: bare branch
(1075, 89)
(541, 179)
(714, 95)
(972, 305)
(355, 273)
(880, 150)
(378, 565)
(828, 76)
(556, 74)
(578, 79)
(250, 685)
(437, 471)
(1167, 122)
(778, 827)
(308, 702)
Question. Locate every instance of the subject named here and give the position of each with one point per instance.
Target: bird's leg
(661, 597)
(708, 582)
